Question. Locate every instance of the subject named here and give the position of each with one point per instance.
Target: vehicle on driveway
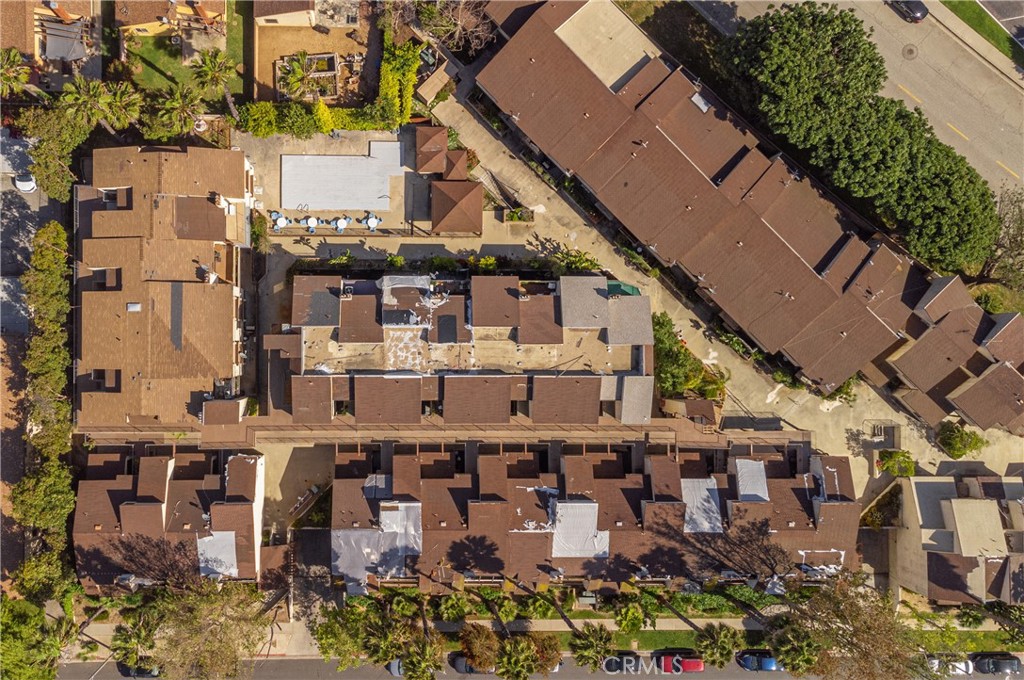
(676, 661)
(26, 184)
(913, 11)
(461, 665)
(996, 663)
(950, 667)
(395, 668)
(758, 660)
(143, 670)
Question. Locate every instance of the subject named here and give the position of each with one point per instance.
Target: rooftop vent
(134, 306)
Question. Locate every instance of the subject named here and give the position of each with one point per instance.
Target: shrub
(323, 117)
(258, 235)
(394, 261)
(755, 598)
(787, 378)
(258, 119)
(297, 120)
(439, 263)
(845, 392)
(991, 303)
(896, 463)
(453, 607)
(970, 616)
(958, 441)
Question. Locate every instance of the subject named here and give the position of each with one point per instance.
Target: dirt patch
(12, 451)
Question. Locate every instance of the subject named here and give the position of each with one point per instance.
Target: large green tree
(795, 649)
(1006, 262)
(56, 135)
(14, 73)
(591, 645)
(173, 113)
(88, 100)
(213, 70)
(43, 499)
(480, 645)
(423, 656)
(803, 66)
(26, 649)
(517, 659)
(135, 639)
(717, 642)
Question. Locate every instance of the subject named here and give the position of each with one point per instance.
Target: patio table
(281, 222)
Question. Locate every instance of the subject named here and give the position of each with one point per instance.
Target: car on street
(621, 661)
(676, 661)
(758, 660)
(395, 668)
(26, 184)
(913, 11)
(145, 669)
(996, 663)
(950, 667)
(461, 665)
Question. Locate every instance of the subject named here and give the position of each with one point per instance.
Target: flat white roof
(607, 42)
(317, 183)
(703, 511)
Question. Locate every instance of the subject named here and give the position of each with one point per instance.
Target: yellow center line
(1016, 176)
(953, 128)
(909, 93)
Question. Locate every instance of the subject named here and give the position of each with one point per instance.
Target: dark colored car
(144, 670)
(676, 661)
(913, 11)
(758, 660)
(461, 665)
(621, 661)
(996, 663)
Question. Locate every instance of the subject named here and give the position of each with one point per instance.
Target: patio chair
(311, 230)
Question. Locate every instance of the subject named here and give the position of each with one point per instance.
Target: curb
(1016, 82)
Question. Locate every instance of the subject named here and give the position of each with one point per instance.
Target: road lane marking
(953, 128)
(909, 93)
(1016, 176)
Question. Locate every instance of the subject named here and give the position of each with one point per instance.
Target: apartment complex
(160, 277)
(781, 261)
(490, 352)
(140, 521)
(960, 540)
(597, 515)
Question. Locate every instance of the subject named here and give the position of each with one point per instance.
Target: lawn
(972, 641)
(161, 60)
(975, 16)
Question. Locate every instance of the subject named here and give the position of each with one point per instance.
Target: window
(141, 30)
(351, 19)
(134, 306)
(270, 21)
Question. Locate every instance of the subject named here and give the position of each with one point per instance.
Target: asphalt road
(971, 106)
(1009, 13)
(314, 669)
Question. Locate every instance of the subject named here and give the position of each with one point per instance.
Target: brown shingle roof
(944, 347)
(949, 575)
(1006, 339)
(495, 301)
(457, 207)
(267, 8)
(477, 399)
(312, 399)
(996, 398)
(387, 400)
(316, 300)
(360, 319)
(566, 399)
(456, 166)
(539, 320)
(431, 147)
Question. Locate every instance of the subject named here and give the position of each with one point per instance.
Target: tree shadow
(475, 553)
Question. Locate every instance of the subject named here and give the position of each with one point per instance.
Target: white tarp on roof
(751, 482)
(358, 552)
(341, 182)
(576, 533)
(405, 520)
(386, 283)
(217, 554)
(354, 554)
(703, 511)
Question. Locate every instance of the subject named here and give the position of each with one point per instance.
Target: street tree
(1006, 263)
(45, 575)
(424, 656)
(517, 658)
(804, 66)
(213, 70)
(14, 73)
(717, 643)
(385, 637)
(548, 651)
(25, 647)
(135, 639)
(591, 645)
(57, 134)
(795, 649)
(337, 635)
(857, 630)
(209, 630)
(480, 645)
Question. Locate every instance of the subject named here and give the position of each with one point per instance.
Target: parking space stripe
(953, 128)
(1000, 164)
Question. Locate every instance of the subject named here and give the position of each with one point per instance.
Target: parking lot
(1010, 14)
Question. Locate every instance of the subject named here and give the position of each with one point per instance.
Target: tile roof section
(539, 320)
(387, 400)
(456, 207)
(495, 301)
(477, 399)
(566, 399)
(431, 147)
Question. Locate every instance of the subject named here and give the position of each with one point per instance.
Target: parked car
(26, 184)
(758, 660)
(395, 668)
(145, 669)
(461, 665)
(996, 663)
(949, 666)
(913, 11)
(676, 661)
(620, 661)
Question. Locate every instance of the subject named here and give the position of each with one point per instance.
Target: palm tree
(297, 76)
(453, 607)
(88, 100)
(182, 104)
(13, 72)
(796, 651)
(125, 104)
(717, 643)
(479, 644)
(548, 650)
(213, 70)
(591, 645)
(134, 639)
(385, 639)
(424, 656)
(517, 659)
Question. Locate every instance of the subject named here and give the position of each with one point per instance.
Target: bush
(322, 116)
(394, 261)
(258, 237)
(970, 616)
(844, 392)
(896, 463)
(297, 120)
(755, 598)
(992, 304)
(787, 378)
(958, 441)
(258, 119)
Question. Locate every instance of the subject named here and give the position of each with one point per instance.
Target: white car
(951, 667)
(26, 184)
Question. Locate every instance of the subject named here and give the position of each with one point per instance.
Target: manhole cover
(909, 51)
